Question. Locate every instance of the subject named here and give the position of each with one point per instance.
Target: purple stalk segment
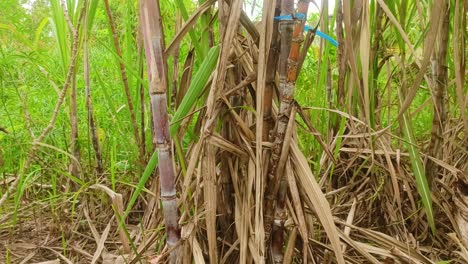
(157, 73)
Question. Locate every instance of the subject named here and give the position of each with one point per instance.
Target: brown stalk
(277, 239)
(123, 72)
(89, 105)
(153, 35)
(341, 57)
(141, 89)
(36, 143)
(375, 53)
(288, 71)
(270, 85)
(75, 148)
(439, 96)
(285, 30)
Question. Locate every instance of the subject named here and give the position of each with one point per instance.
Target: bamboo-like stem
(285, 30)
(439, 95)
(75, 148)
(277, 239)
(341, 55)
(153, 36)
(89, 105)
(142, 99)
(288, 75)
(36, 143)
(141, 89)
(270, 77)
(374, 58)
(123, 72)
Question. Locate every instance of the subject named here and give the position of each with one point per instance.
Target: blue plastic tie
(290, 17)
(322, 35)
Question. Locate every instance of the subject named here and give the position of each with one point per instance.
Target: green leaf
(141, 184)
(39, 31)
(418, 171)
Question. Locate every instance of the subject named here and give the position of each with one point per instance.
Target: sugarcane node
(163, 146)
(168, 197)
(176, 233)
(284, 25)
(287, 99)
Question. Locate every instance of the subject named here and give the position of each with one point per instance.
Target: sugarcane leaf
(39, 31)
(60, 29)
(141, 184)
(193, 36)
(419, 173)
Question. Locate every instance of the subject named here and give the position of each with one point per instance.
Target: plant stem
(288, 71)
(285, 30)
(439, 94)
(157, 72)
(89, 105)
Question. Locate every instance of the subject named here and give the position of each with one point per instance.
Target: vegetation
(233, 131)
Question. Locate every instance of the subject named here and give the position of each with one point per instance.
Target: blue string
(290, 17)
(322, 35)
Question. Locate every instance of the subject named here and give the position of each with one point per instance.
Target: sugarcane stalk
(288, 71)
(440, 95)
(141, 88)
(270, 77)
(341, 55)
(285, 30)
(75, 148)
(157, 73)
(89, 105)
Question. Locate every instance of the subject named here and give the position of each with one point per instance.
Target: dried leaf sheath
(154, 49)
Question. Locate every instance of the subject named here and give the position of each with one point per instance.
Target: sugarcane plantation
(233, 131)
